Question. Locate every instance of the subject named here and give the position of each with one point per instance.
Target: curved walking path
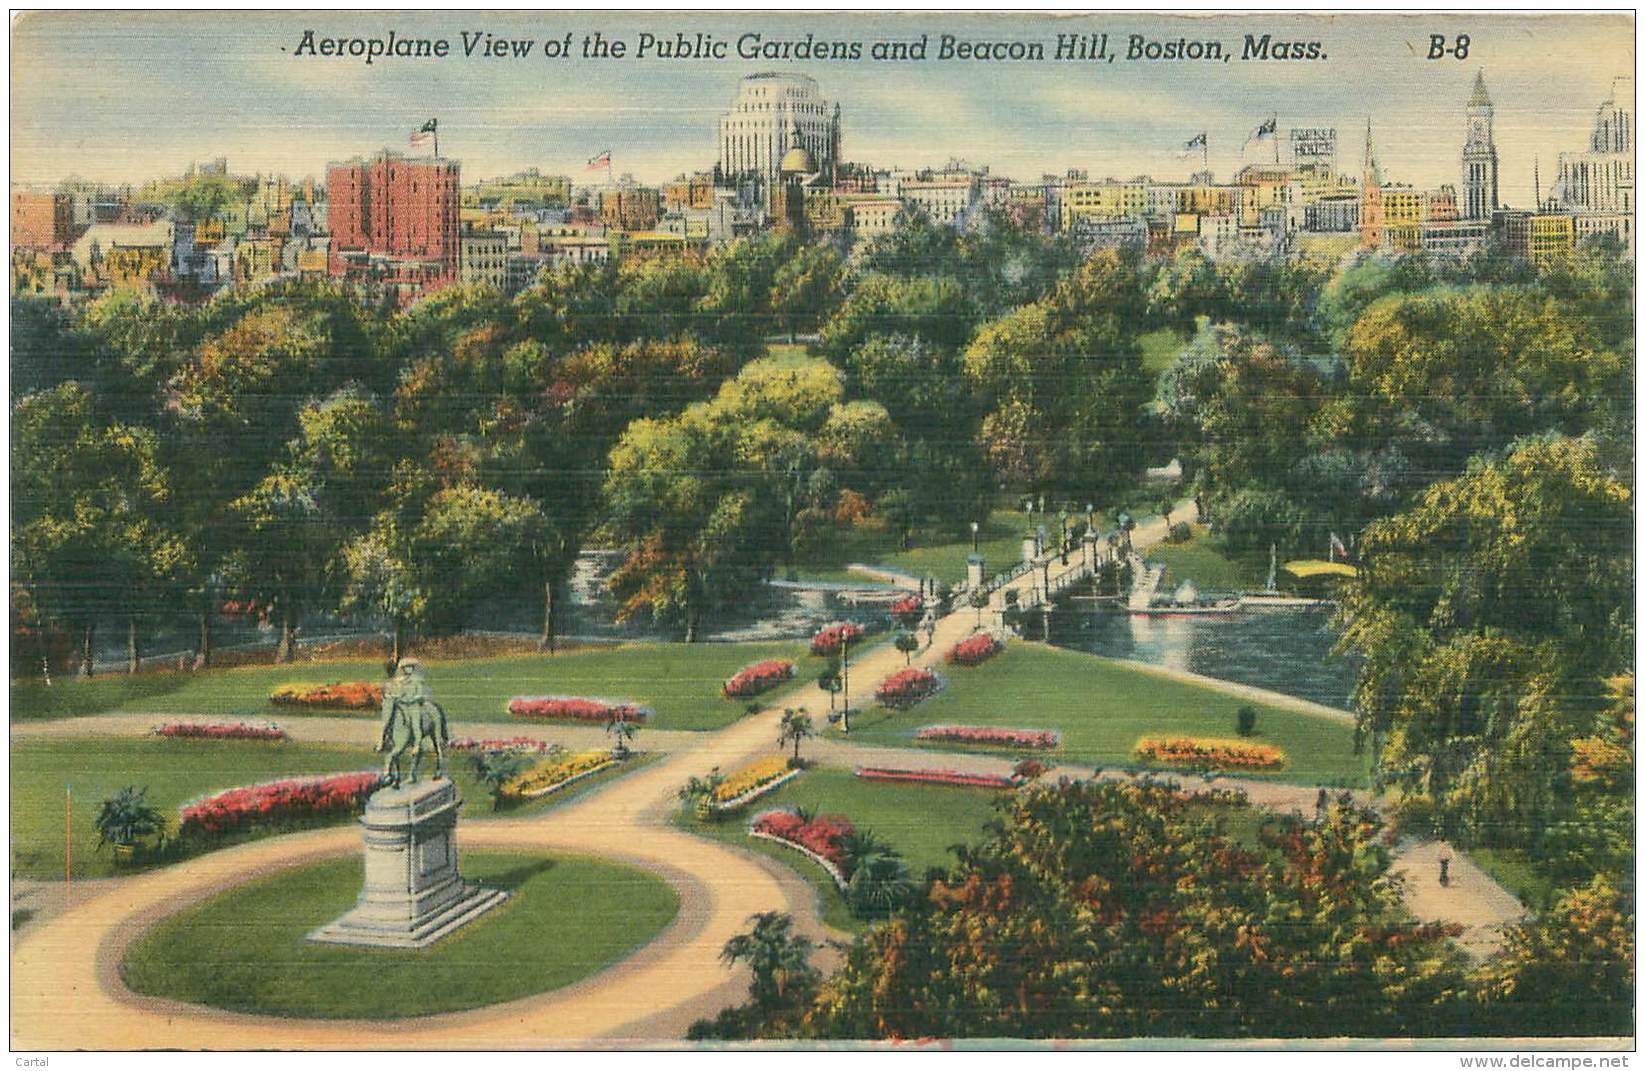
(67, 994)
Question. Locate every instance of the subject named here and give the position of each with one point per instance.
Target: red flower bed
(991, 735)
(978, 648)
(828, 639)
(345, 695)
(907, 609)
(575, 708)
(935, 777)
(821, 835)
(760, 677)
(186, 730)
(513, 743)
(277, 803)
(906, 687)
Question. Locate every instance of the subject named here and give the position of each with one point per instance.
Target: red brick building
(394, 222)
(40, 220)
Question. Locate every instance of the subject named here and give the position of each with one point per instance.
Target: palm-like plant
(879, 886)
(779, 958)
(126, 817)
(623, 731)
(494, 768)
(698, 792)
(795, 727)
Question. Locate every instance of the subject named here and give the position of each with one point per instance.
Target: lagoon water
(1284, 651)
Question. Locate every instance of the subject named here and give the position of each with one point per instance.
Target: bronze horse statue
(411, 718)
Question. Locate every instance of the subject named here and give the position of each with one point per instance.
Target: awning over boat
(1313, 567)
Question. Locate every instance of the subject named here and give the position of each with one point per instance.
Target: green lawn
(920, 821)
(681, 682)
(43, 771)
(1204, 561)
(1102, 707)
(1517, 872)
(933, 553)
(1160, 349)
(566, 918)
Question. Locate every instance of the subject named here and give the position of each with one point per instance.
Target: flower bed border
(641, 713)
(265, 733)
(522, 744)
(833, 871)
(294, 700)
(1282, 759)
(1056, 737)
(938, 683)
(934, 777)
(263, 821)
(567, 782)
(756, 792)
(791, 673)
(997, 647)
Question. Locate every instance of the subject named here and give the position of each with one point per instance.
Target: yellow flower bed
(1201, 752)
(549, 772)
(751, 777)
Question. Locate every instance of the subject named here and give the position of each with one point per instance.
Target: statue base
(413, 894)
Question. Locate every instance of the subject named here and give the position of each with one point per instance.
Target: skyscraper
(1602, 179)
(773, 113)
(1479, 164)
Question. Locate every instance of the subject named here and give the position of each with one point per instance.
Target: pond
(1283, 651)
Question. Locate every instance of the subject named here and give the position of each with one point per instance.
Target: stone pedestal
(413, 894)
(973, 572)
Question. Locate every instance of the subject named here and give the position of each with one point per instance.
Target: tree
(907, 643)
(1488, 616)
(979, 602)
(829, 681)
(795, 727)
(779, 959)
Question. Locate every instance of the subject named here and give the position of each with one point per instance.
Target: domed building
(774, 114)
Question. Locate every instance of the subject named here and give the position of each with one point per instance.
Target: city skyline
(197, 88)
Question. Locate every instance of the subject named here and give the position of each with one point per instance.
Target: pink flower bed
(935, 777)
(978, 648)
(821, 835)
(513, 743)
(906, 687)
(828, 639)
(760, 677)
(907, 608)
(187, 730)
(574, 708)
(276, 803)
(991, 736)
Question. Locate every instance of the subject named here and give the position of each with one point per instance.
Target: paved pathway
(67, 994)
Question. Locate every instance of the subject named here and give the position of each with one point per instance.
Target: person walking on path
(1444, 864)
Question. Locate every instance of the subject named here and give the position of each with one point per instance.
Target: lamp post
(845, 682)
(974, 527)
(1062, 519)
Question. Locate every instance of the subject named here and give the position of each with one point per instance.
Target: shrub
(974, 650)
(126, 817)
(830, 638)
(757, 678)
(1245, 720)
(1202, 753)
(340, 695)
(907, 610)
(1180, 532)
(906, 687)
(575, 708)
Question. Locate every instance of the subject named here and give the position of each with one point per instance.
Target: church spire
(1480, 99)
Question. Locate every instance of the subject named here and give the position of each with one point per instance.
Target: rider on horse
(410, 717)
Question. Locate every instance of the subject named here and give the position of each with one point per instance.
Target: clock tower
(1479, 165)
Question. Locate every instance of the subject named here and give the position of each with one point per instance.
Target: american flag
(601, 162)
(423, 135)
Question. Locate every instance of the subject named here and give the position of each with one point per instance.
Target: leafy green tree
(1488, 615)
(807, 288)
(907, 643)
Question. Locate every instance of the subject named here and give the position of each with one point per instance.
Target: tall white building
(1479, 162)
(1602, 179)
(772, 111)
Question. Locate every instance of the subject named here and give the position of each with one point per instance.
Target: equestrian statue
(411, 718)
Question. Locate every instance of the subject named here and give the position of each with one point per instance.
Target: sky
(128, 96)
